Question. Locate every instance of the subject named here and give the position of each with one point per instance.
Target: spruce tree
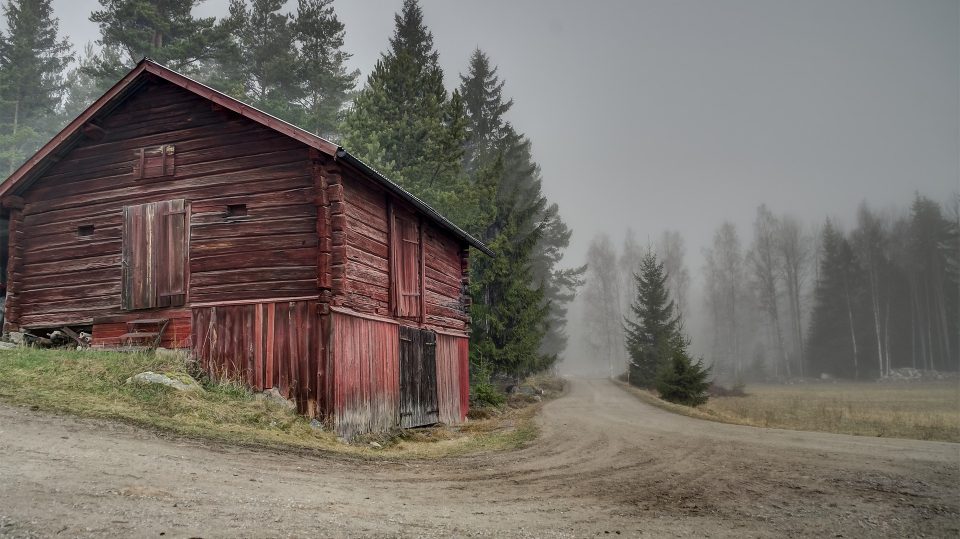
(653, 336)
(404, 123)
(509, 316)
(484, 107)
(32, 63)
(681, 380)
(491, 138)
(837, 333)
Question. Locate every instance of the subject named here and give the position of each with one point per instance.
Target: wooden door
(418, 377)
(154, 255)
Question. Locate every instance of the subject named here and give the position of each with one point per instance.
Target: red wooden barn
(169, 213)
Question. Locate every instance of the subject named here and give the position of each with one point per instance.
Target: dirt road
(606, 464)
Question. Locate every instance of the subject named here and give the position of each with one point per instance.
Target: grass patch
(921, 411)
(93, 384)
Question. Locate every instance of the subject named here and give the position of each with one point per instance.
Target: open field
(92, 384)
(918, 410)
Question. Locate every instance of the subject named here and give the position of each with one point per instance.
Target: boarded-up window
(406, 264)
(155, 162)
(154, 255)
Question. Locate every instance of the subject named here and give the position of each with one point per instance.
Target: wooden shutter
(171, 254)
(155, 162)
(407, 267)
(154, 255)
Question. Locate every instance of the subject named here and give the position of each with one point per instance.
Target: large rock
(273, 395)
(7, 346)
(178, 381)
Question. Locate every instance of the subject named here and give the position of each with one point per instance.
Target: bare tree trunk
(875, 307)
(886, 339)
(853, 335)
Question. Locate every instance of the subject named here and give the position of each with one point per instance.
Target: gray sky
(681, 114)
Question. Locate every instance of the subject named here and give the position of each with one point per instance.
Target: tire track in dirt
(605, 462)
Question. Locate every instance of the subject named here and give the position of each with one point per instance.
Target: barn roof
(69, 136)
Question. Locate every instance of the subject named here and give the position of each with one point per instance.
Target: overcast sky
(680, 114)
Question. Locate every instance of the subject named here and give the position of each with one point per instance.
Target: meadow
(917, 410)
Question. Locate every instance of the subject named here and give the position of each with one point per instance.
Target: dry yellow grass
(92, 384)
(922, 411)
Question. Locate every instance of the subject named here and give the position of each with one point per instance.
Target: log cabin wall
(364, 366)
(368, 270)
(290, 259)
(265, 248)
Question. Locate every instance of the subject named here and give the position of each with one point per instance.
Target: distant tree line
(806, 302)
(455, 149)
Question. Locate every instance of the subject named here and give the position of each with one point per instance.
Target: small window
(84, 231)
(236, 210)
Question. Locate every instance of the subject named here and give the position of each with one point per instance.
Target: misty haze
(390, 268)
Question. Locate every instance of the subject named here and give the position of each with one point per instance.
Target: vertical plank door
(418, 377)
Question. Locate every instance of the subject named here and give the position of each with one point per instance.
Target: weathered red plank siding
(264, 345)
(445, 299)
(219, 159)
(365, 364)
(368, 268)
(107, 331)
(453, 378)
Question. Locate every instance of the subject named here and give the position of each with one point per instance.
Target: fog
(680, 115)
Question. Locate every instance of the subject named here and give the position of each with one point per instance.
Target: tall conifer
(32, 62)
(653, 334)
(404, 123)
(164, 30)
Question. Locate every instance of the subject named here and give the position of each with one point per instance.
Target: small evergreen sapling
(682, 381)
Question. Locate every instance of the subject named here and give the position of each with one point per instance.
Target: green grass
(921, 411)
(93, 384)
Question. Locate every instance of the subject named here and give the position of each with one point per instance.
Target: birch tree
(795, 253)
(671, 251)
(725, 297)
(602, 312)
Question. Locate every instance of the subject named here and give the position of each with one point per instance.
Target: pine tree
(403, 122)
(260, 64)
(653, 335)
(163, 30)
(32, 63)
(326, 84)
(82, 88)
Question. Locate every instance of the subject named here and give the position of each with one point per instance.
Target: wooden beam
(13, 202)
(93, 131)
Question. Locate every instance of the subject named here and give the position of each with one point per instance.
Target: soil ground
(605, 464)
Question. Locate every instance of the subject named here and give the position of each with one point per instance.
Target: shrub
(682, 381)
(486, 394)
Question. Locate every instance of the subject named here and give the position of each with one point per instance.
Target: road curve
(605, 464)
